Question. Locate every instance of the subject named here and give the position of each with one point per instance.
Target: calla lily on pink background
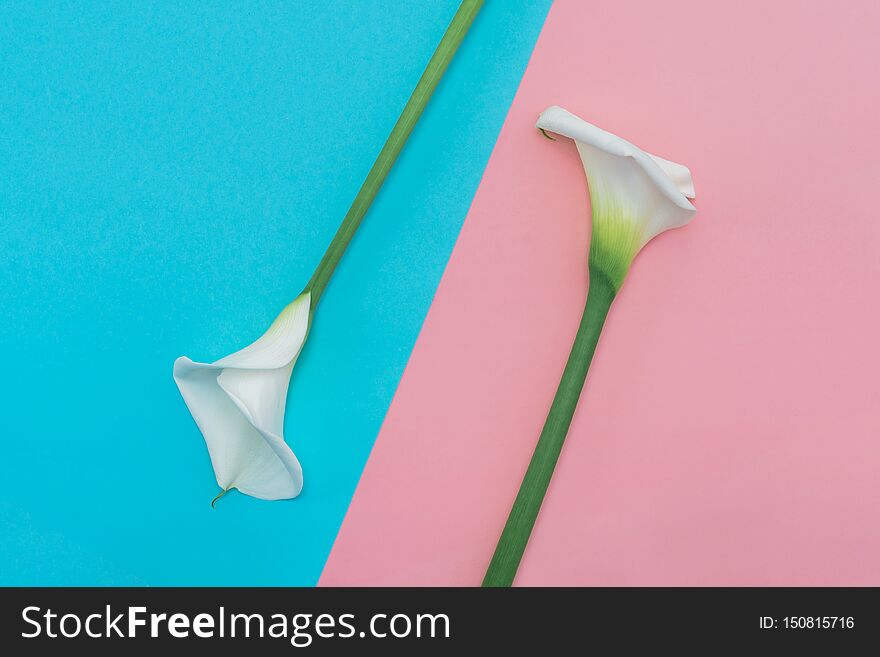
(728, 430)
(634, 196)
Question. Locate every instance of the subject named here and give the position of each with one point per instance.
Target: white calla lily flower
(634, 195)
(238, 403)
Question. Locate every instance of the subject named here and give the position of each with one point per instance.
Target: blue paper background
(169, 177)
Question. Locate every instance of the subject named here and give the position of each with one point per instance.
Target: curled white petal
(238, 404)
(679, 174)
(626, 183)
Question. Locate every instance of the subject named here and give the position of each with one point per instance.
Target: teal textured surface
(169, 177)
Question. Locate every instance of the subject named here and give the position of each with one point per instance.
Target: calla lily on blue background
(238, 403)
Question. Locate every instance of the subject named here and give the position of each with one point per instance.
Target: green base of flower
(616, 238)
(521, 520)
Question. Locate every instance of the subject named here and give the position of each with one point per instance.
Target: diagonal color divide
(727, 432)
(169, 175)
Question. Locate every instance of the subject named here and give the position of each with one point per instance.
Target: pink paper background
(729, 432)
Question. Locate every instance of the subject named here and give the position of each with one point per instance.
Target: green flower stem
(515, 536)
(455, 33)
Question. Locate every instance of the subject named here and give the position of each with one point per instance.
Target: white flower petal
(281, 342)
(672, 180)
(238, 403)
(634, 196)
(679, 174)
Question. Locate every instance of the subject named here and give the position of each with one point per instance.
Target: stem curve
(219, 495)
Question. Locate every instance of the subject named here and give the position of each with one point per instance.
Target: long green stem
(455, 33)
(521, 520)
